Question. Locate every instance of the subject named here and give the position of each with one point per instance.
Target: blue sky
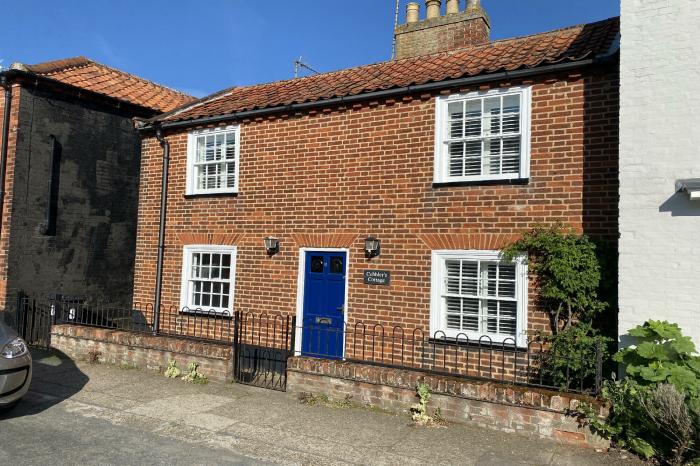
(201, 46)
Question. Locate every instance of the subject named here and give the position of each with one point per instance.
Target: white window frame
(187, 252)
(191, 185)
(438, 317)
(441, 169)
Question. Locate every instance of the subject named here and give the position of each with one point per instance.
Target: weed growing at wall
(193, 375)
(419, 411)
(172, 372)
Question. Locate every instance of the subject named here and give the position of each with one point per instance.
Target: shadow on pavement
(55, 378)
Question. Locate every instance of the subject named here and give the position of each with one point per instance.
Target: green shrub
(572, 358)
(567, 270)
(660, 353)
(654, 411)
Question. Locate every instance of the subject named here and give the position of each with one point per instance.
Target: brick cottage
(382, 194)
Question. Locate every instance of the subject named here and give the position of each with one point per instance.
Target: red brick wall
(9, 180)
(333, 177)
(499, 406)
(448, 32)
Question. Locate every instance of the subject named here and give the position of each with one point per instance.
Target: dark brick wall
(92, 251)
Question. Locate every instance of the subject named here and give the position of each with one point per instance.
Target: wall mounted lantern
(272, 245)
(372, 247)
(690, 187)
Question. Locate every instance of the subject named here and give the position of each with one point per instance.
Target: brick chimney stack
(438, 33)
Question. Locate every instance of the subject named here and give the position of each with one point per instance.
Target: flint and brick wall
(503, 407)
(330, 178)
(143, 351)
(92, 250)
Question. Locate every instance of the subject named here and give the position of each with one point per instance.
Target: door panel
(323, 333)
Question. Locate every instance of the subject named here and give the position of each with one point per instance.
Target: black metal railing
(483, 358)
(264, 342)
(262, 345)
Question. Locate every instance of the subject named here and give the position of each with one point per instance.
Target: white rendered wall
(659, 144)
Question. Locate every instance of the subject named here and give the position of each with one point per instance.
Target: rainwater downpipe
(161, 229)
(5, 83)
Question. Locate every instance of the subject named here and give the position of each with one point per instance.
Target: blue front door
(323, 332)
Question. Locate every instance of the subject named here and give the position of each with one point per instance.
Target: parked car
(15, 367)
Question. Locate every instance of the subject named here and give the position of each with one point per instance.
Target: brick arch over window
(325, 240)
(224, 239)
(481, 241)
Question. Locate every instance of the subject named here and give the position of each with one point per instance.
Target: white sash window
(483, 136)
(475, 294)
(212, 160)
(208, 274)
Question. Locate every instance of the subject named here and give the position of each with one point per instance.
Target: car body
(15, 367)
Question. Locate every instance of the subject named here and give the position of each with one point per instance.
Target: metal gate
(262, 344)
(31, 320)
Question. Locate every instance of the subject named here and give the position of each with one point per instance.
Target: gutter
(7, 84)
(503, 75)
(161, 229)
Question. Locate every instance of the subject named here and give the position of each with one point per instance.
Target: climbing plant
(567, 273)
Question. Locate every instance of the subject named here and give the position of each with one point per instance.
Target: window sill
(484, 343)
(220, 315)
(206, 195)
(506, 182)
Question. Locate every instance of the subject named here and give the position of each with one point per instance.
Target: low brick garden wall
(505, 407)
(143, 351)
(499, 406)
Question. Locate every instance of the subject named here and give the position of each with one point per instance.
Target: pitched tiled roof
(565, 45)
(92, 76)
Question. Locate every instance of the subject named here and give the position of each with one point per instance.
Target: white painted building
(659, 146)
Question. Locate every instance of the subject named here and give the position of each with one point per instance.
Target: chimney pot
(452, 7)
(473, 4)
(412, 12)
(432, 8)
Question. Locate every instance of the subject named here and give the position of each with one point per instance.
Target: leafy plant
(172, 372)
(660, 353)
(420, 410)
(625, 424)
(567, 271)
(574, 354)
(194, 376)
(654, 411)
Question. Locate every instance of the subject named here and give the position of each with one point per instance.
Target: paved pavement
(80, 413)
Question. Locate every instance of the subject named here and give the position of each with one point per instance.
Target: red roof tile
(92, 76)
(565, 45)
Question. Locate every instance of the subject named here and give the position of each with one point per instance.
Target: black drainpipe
(161, 229)
(5, 137)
